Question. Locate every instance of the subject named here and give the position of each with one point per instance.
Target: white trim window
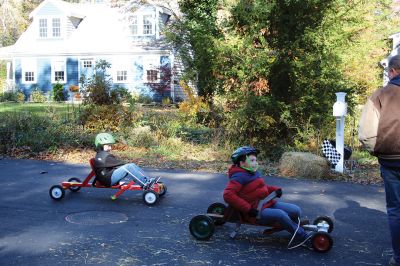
(122, 76)
(88, 63)
(151, 67)
(152, 76)
(56, 23)
(142, 24)
(43, 28)
(29, 71)
(134, 25)
(50, 27)
(148, 23)
(120, 70)
(86, 67)
(58, 73)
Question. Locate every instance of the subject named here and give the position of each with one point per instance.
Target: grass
(40, 109)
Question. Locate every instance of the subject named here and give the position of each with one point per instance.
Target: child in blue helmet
(246, 188)
(109, 169)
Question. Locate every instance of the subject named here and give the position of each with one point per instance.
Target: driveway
(87, 227)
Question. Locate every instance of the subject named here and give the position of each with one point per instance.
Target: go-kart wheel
(324, 219)
(163, 190)
(150, 197)
(74, 188)
(201, 227)
(217, 208)
(57, 192)
(321, 242)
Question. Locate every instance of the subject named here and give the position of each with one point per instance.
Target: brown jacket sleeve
(368, 126)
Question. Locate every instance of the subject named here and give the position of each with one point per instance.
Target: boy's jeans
(391, 177)
(122, 172)
(285, 214)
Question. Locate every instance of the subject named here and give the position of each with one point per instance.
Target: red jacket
(246, 189)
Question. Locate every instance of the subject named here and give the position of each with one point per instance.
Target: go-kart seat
(95, 183)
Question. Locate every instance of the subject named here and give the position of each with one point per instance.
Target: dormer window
(134, 25)
(147, 24)
(142, 24)
(43, 28)
(56, 27)
(54, 31)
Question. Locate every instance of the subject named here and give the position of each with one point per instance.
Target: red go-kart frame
(151, 192)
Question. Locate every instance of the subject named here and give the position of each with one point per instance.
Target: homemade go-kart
(202, 226)
(151, 191)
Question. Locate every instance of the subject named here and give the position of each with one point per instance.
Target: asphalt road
(87, 227)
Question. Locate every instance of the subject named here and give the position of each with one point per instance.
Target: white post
(8, 77)
(340, 111)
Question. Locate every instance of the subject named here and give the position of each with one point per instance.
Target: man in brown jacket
(379, 133)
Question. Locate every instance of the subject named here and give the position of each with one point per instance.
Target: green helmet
(104, 138)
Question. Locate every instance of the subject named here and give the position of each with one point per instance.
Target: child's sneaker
(301, 241)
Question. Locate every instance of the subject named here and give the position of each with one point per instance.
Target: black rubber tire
(321, 242)
(57, 192)
(217, 208)
(325, 219)
(74, 179)
(164, 190)
(150, 197)
(201, 227)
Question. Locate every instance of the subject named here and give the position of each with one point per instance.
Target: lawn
(41, 109)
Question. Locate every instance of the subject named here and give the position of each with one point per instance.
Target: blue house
(65, 40)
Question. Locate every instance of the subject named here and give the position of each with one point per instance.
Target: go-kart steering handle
(270, 197)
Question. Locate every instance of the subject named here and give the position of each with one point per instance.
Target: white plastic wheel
(150, 197)
(57, 192)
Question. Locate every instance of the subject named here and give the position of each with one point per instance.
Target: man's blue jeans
(131, 171)
(391, 178)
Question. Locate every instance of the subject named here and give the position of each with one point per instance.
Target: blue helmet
(245, 150)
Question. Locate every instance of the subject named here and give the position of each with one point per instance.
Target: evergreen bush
(58, 93)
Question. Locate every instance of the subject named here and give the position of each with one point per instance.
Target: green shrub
(166, 101)
(139, 137)
(38, 96)
(202, 135)
(40, 133)
(146, 99)
(119, 95)
(12, 96)
(98, 89)
(97, 118)
(58, 93)
(172, 148)
(20, 97)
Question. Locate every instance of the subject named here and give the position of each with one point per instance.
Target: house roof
(71, 10)
(101, 32)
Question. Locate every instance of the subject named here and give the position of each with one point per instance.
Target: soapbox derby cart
(151, 192)
(202, 226)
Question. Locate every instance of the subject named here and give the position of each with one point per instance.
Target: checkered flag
(330, 152)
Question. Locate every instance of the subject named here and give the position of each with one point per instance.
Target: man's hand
(253, 212)
(278, 192)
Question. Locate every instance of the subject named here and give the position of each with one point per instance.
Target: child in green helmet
(110, 169)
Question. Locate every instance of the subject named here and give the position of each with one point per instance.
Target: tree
(275, 65)
(194, 35)
(98, 89)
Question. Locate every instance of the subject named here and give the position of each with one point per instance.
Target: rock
(303, 164)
